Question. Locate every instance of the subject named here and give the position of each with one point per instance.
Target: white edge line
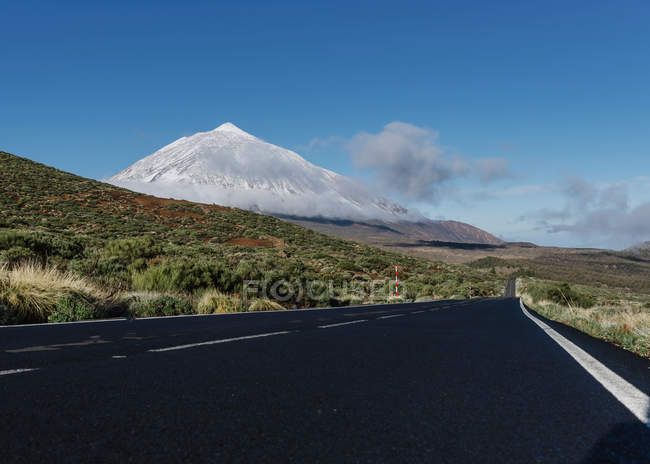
(392, 315)
(215, 342)
(637, 402)
(341, 323)
(17, 371)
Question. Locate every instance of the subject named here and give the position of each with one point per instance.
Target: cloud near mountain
(409, 161)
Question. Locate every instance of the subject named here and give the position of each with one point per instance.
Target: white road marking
(118, 356)
(94, 340)
(417, 312)
(215, 342)
(341, 323)
(17, 371)
(637, 402)
(388, 317)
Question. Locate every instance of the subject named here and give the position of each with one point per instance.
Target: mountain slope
(231, 167)
(126, 241)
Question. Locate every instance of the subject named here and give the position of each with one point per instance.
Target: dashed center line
(17, 371)
(118, 356)
(417, 312)
(215, 342)
(341, 323)
(388, 317)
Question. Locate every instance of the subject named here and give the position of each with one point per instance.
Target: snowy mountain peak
(230, 127)
(228, 166)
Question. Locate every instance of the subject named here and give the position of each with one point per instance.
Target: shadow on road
(625, 443)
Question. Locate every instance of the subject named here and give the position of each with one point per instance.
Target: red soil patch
(252, 242)
(154, 202)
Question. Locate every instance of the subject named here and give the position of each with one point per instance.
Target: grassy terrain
(74, 248)
(622, 318)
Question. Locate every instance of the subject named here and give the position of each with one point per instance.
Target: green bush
(130, 249)
(40, 244)
(10, 316)
(16, 254)
(163, 305)
(184, 277)
(562, 294)
(425, 290)
(72, 308)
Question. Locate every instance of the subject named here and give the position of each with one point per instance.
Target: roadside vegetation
(622, 318)
(73, 248)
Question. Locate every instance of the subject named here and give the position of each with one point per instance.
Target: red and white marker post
(396, 292)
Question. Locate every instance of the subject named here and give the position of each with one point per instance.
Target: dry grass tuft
(33, 290)
(213, 301)
(264, 304)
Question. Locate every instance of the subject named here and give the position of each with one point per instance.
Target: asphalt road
(467, 381)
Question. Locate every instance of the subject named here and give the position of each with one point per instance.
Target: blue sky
(558, 91)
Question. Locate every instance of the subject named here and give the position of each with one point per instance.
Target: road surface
(452, 381)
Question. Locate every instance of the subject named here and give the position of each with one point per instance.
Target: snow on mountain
(228, 166)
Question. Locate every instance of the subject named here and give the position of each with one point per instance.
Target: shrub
(17, 254)
(564, 294)
(72, 308)
(159, 305)
(184, 277)
(264, 304)
(425, 291)
(212, 302)
(9, 315)
(41, 244)
(130, 249)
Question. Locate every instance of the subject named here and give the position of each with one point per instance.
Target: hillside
(124, 241)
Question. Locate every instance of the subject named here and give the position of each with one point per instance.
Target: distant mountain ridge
(230, 167)
(382, 233)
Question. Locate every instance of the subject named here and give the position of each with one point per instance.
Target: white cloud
(597, 212)
(406, 159)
